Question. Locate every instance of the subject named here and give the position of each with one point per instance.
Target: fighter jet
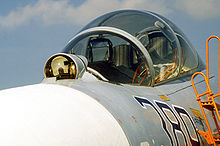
(124, 79)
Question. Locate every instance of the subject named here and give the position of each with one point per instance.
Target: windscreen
(115, 58)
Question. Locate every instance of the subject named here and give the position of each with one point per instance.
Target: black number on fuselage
(177, 113)
(175, 124)
(182, 112)
(144, 102)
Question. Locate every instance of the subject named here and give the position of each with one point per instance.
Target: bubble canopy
(135, 47)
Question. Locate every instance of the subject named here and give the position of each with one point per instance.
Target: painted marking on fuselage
(164, 98)
(144, 102)
(176, 127)
(183, 113)
(196, 113)
(178, 118)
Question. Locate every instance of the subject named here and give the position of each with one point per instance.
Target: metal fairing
(143, 116)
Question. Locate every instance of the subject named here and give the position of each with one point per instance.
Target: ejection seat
(114, 63)
(123, 59)
(162, 52)
(163, 55)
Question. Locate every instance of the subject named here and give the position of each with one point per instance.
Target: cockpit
(135, 47)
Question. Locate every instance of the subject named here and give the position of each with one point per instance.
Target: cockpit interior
(135, 47)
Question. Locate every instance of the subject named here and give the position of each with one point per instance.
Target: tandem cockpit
(135, 47)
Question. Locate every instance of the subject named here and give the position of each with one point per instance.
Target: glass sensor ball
(60, 67)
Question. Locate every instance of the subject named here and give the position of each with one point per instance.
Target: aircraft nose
(44, 114)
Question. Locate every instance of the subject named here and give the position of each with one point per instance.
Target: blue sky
(32, 30)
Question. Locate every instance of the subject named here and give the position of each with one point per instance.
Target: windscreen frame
(120, 33)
